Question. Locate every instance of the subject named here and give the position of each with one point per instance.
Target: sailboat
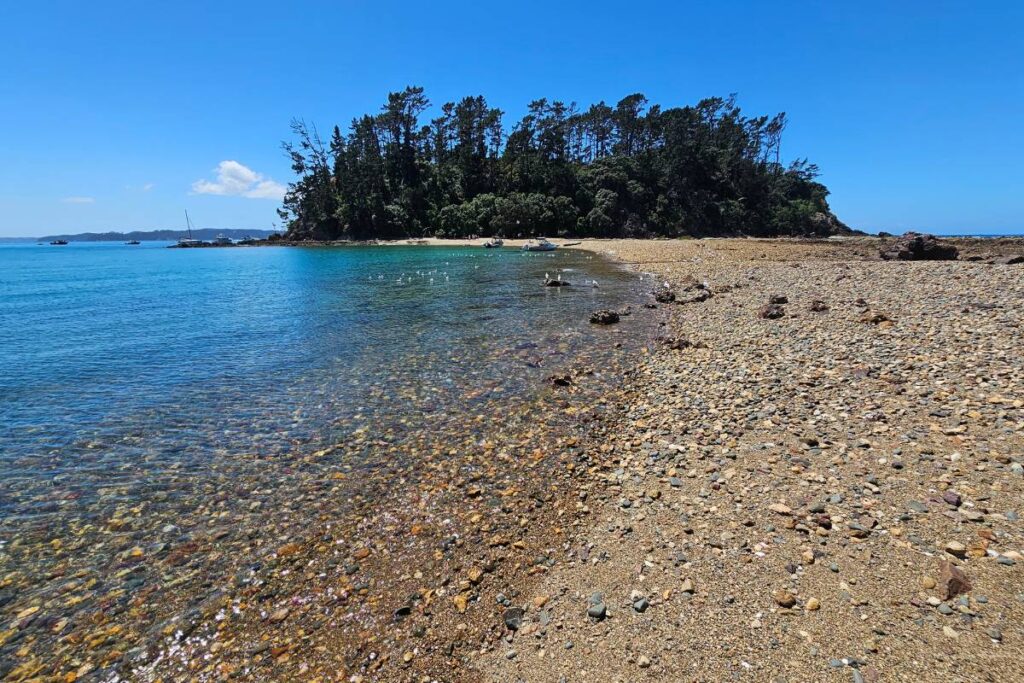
(188, 241)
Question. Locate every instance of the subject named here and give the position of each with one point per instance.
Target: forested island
(632, 170)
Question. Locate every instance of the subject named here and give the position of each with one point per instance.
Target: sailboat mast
(188, 224)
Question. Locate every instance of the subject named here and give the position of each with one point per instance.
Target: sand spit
(832, 494)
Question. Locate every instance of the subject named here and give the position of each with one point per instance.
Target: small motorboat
(539, 244)
(222, 241)
(59, 243)
(248, 239)
(133, 242)
(494, 243)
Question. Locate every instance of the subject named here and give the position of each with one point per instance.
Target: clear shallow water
(104, 343)
(141, 386)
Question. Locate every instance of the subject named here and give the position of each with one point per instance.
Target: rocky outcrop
(913, 246)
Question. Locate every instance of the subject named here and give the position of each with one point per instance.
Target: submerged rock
(604, 317)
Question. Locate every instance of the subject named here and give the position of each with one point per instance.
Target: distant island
(629, 170)
(145, 235)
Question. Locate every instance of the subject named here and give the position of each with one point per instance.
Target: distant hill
(144, 235)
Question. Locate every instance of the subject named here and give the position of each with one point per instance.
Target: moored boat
(494, 243)
(133, 242)
(188, 241)
(539, 244)
(59, 243)
(222, 241)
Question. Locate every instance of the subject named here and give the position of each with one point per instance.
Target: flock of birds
(430, 276)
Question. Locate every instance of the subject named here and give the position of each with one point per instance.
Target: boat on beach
(222, 241)
(494, 243)
(539, 244)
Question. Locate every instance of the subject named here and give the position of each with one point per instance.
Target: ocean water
(137, 382)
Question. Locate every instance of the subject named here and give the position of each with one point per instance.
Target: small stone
(952, 498)
(956, 549)
(597, 611)
(278, 616)
(687, 586)
(643, 661)
(641, 605)
(513, 618)
(813, 604)
(784, 598)
(461, 602)
(927, 582)
(952, 581)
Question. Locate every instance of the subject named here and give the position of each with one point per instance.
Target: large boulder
(913, 246)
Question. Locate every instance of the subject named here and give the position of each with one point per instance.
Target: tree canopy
(629, 170)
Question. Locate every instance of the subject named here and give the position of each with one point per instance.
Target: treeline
(634, 169)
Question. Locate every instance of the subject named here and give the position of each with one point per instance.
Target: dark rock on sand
(513, 618)
(564, 380)
(1010, 260)
(679, 343)
(953, 581)
(556, 283)
(914, 246)
(771, 312)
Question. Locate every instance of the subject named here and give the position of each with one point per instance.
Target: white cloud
(236, 180)
(78, 200)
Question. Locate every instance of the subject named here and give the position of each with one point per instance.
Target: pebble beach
(833, 494)
(783, 460)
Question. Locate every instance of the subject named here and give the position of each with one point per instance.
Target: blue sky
(119, 115)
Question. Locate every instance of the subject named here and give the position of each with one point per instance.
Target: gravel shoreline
(830, 495)
(815, 472)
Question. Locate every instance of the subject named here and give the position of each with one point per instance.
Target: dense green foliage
(629, 170)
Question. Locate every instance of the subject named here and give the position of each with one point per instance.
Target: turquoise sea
(137, 381)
